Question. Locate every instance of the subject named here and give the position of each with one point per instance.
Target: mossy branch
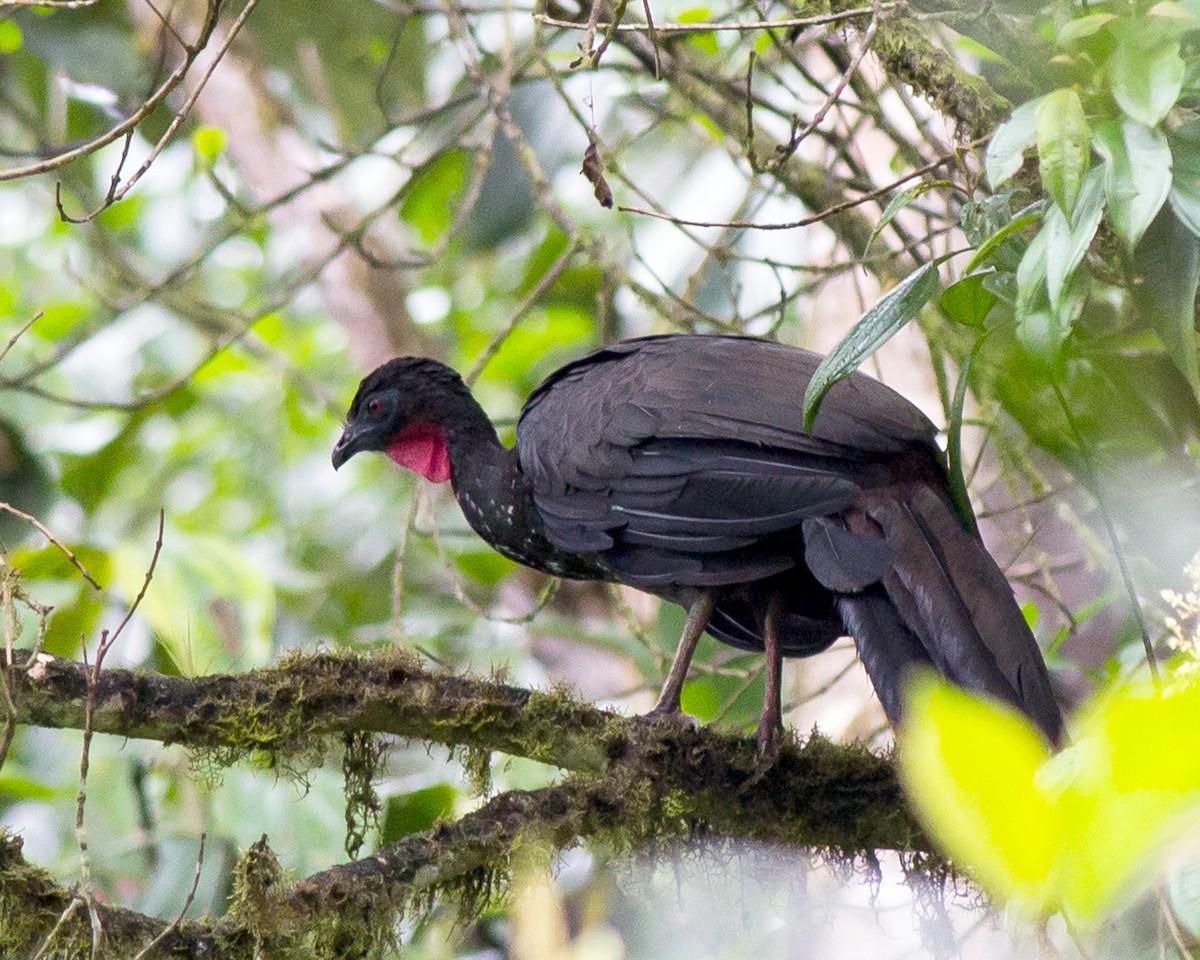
(634, 783)
(350, 909)
(286, 710)
(847, 794)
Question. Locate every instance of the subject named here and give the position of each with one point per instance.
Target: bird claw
(769, 737)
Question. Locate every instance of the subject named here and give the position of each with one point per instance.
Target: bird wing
(678, 458)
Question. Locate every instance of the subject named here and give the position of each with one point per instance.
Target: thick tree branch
(640, 782)
(848, 795)
(341, 911)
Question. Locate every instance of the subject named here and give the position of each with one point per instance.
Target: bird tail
(941, 602)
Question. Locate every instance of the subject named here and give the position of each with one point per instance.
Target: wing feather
(692, 450)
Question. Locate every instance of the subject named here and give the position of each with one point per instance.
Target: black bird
(679, 465)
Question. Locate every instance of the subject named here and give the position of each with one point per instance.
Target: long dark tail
(942, 602)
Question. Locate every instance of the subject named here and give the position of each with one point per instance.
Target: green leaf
(969, 768)
(1006, 150)
(1041, 329)
(1031, 273)
(894, 309)
(1137, 175)
(1064, 146)
(1125, 785)
(898, 203)
(974, 48)
(1146, 70)
(18, 786)
(417, 811)
(1075, 832)
(429, 200)
(1169, 10)
(1168, 264)
(10, 37)
(209, 143)
(955, 473)
(1185, 176)
(895, 205)
(1066, 243)
(993, 243)
(703, 40)
(968, 301)
(699, 700)
(1082, 27)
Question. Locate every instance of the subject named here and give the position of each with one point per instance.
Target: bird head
(402, 409)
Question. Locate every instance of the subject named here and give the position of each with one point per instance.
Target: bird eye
(374, 406)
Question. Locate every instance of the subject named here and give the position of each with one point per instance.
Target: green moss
(361, 768)
(258, 901)
(909, 56)
(30, 904)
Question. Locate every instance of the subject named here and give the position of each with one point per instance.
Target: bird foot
(769, 737)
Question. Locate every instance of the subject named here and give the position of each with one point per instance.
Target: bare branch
(20, 333)
(41, 528)
(649, 28)
(131, 122)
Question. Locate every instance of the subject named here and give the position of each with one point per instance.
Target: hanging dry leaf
(593, 169)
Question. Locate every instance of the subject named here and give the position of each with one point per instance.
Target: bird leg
(697, 619)
(770, 723)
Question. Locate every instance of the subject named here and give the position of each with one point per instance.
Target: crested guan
(679, 465)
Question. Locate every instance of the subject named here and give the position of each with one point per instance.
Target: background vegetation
(215, 217)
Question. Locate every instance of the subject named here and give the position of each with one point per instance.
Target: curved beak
(354, 440)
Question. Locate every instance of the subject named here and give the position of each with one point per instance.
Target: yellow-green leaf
(10, 37)
(209, 143)
(969, 767)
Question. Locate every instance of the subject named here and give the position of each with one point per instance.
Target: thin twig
(531, 300)
(158, 544)
(713, 27)
(806, 221)
(17, 336)
(129, 123)
(117, 193)
(187, 903)
(786, 150)
(63, 919)
(1168, 915)
(41, 528)
(107, 640)
(398, 568)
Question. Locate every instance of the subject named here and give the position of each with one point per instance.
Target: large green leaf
(1146, 70)
(1076, 832)
(1082, 27)
(969, 767)
(1168, 265)
(894, 309)
(1137, 175)
(1006, 150)
(1064, 146)
(1067, 242)
(968, 301)
(429, 200)
(1185, 176)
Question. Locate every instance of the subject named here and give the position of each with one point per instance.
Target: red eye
(374, 406)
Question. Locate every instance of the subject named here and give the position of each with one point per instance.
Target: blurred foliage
(371, 178)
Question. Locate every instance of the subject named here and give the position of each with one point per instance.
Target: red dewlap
(421, 447)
